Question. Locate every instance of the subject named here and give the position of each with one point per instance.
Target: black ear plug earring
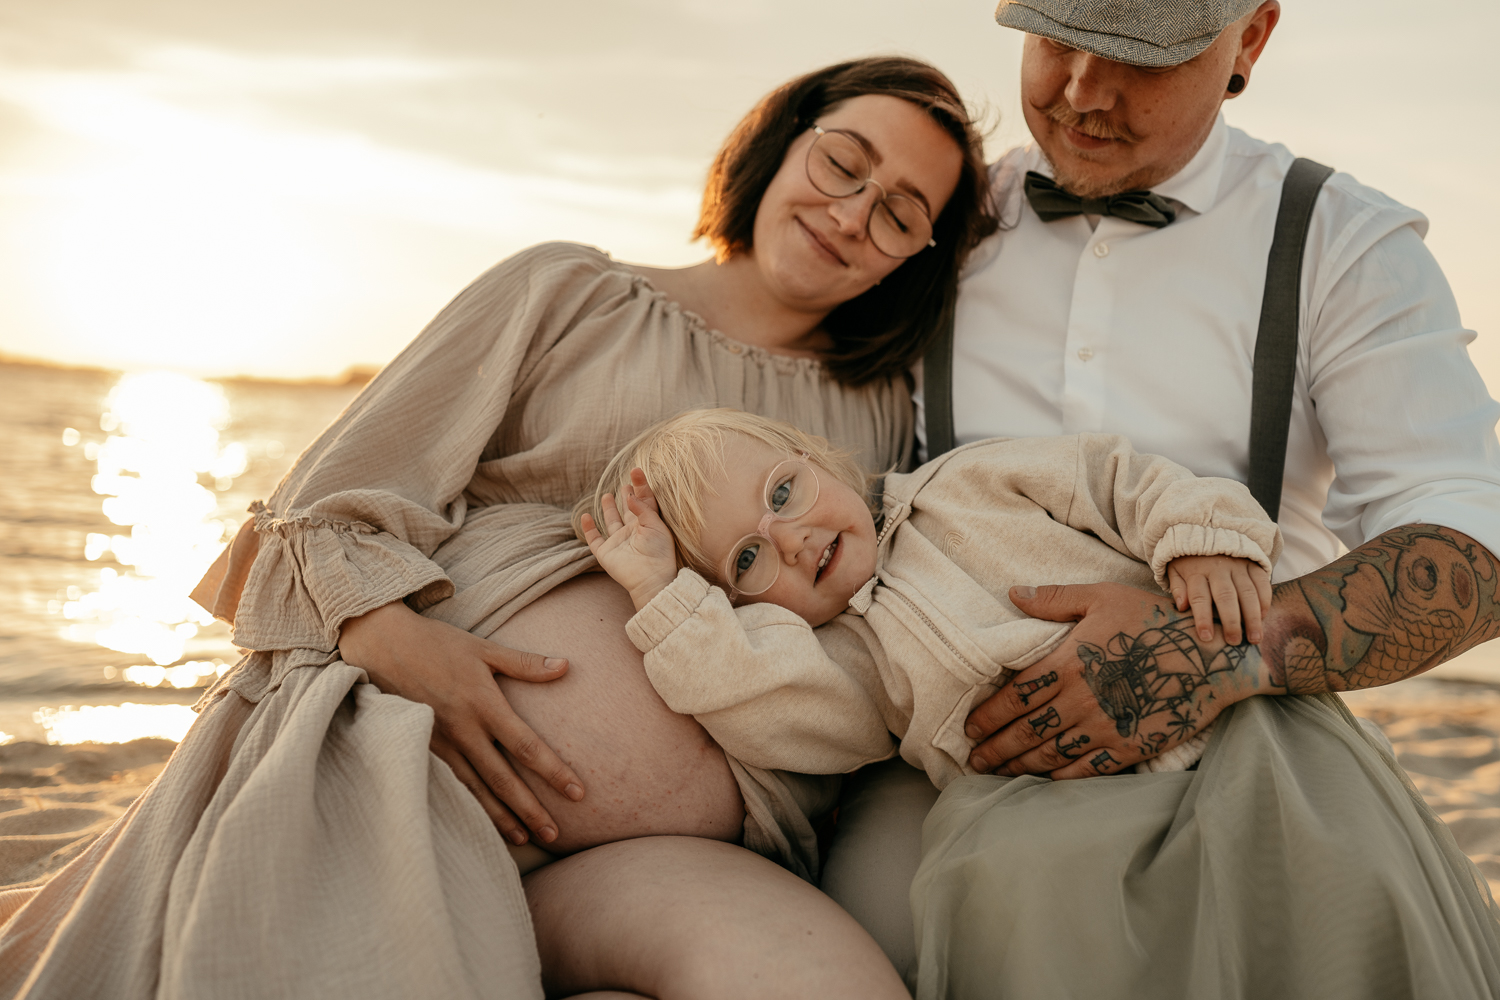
(1236, 84)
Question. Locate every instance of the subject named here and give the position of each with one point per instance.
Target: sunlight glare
(149, 476)
(114, 723)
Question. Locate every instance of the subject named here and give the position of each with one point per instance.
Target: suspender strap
(937, 388)
(1275, 345)
(1276, 340)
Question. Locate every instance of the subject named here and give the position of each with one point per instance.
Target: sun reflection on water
(115, 723)
(163, 446)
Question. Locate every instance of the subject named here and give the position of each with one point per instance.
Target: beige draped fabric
(303, 841)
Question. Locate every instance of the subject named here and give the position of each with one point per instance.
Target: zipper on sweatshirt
(935, 630)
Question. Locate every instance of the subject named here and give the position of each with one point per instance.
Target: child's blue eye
(780, 494)
(745, 559)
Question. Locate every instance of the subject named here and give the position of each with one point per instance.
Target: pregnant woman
(303, 841)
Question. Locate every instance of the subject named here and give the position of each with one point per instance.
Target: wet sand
(1445, 727)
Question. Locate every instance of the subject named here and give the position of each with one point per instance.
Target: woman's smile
(821, 243)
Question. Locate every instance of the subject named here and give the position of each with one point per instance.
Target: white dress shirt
(1107, 325)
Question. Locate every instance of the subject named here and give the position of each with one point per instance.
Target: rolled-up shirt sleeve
(1409, 423)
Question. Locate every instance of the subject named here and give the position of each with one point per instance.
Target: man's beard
(1100, 125)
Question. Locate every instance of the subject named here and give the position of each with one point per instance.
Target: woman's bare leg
(682, 917)
(645, 769)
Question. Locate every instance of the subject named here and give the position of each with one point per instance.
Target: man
(1139, 316)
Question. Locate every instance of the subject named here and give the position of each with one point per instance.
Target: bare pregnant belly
(646, 770)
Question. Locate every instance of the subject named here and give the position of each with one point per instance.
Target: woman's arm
(351, 531)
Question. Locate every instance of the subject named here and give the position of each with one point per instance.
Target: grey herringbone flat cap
(1139, 32)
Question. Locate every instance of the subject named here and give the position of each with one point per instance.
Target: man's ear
(1255, 32)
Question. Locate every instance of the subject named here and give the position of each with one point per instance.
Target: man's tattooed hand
(1154, 676)
(1072, 749)
(1047, 720)
(1026, 689)
(1131, 680)
(1103, 762)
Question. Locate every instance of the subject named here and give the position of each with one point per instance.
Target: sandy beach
(1445, 727)
(54, 800)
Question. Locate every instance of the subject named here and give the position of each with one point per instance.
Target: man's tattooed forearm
(1396, 606)
(1028, 688)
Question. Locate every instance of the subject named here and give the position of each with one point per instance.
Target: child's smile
(825, 555)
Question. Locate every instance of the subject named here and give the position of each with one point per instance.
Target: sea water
(116, 492)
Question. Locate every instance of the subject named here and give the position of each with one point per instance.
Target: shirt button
(1101, 249)
(1084, 353)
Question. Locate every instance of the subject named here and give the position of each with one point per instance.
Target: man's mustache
(1095, 123)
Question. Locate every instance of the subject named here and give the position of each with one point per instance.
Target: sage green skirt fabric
(1296, 861)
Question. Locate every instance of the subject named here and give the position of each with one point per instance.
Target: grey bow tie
(1051, 200)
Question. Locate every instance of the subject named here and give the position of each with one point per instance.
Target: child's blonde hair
(682, 455)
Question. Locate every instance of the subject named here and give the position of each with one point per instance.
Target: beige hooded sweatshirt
(933, 633)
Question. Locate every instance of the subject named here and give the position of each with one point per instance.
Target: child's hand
(1239, 588)
(640, 553)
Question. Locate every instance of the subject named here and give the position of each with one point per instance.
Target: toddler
(810, 633)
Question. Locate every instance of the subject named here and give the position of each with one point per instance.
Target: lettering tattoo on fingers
(1028, 688)
(1047, 720)
(1103, 761)
(1073, 749)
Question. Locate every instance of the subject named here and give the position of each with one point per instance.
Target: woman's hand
(1239, 588)
(453, 671)
(640, 553)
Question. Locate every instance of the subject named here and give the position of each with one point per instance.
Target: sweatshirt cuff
(651, 625)
(1202, 540)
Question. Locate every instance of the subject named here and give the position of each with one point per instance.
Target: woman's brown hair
(883, 331)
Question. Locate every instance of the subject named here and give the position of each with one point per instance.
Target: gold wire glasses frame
(838, 166)
(754, 563)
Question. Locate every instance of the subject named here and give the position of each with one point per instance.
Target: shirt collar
(1195, 185)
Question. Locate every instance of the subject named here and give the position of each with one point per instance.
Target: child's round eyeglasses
(754, 563)
(839, 167)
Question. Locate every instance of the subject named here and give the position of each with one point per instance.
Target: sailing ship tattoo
(1159, 671)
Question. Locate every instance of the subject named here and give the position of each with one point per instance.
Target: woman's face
(813, 250)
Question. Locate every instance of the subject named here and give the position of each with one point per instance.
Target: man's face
(1108, 127)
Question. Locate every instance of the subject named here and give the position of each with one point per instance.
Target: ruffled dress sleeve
(356, 521)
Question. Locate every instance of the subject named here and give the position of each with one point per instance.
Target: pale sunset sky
(288, 189)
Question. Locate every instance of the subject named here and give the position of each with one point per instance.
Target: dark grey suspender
(1275, 345)
(937, 388)
(1276, 340)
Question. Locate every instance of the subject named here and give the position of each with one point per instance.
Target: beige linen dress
(303, 841)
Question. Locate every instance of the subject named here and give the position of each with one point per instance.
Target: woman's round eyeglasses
(839, 167)
(754, 563)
